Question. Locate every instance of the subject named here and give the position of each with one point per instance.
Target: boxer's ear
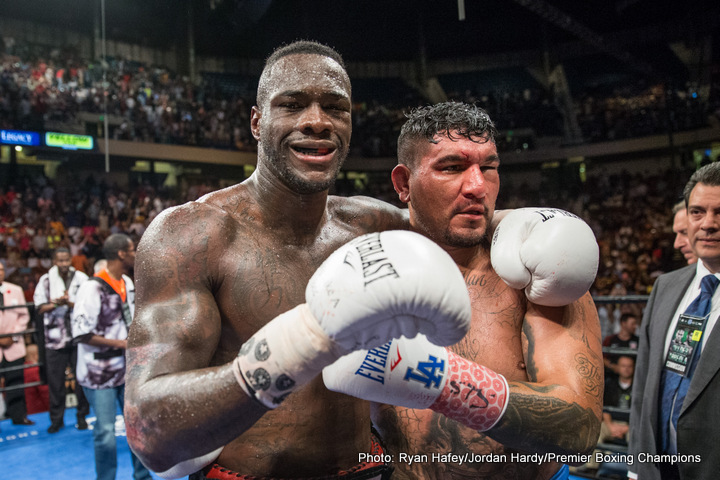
(255, 116)
(401, 182)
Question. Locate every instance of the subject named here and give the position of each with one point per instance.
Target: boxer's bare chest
(266, 261)
(495, 340)
(264, 275)
(495, 337)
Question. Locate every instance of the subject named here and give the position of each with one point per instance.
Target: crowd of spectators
(145, 103)
(40, 86)
(630, 214)
(36, 217)
(638, 110)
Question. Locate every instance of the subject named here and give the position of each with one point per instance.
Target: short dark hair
(709, 175)
(627, 316)
(296, 48)
(617, 360)
(114, 244)
(451, 119)
(60, 250)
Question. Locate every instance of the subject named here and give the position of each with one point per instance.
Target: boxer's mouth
(472, 211)
(315, 152)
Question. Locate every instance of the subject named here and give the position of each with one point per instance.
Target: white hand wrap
(283, 355)
(550, 253)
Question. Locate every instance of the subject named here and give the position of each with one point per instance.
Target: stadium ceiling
(636, 33)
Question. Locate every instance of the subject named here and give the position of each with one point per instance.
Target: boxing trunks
(361, 471)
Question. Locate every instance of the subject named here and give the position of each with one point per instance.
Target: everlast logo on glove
(548, 213)
(375, 264)
(373, 367)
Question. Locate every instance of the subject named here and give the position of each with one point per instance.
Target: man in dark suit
(681, 449)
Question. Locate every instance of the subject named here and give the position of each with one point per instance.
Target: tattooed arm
(177, 405)
(560, 409)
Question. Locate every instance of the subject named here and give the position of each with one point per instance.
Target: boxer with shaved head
(245, 295)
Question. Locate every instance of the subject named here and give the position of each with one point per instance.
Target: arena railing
(622, 412)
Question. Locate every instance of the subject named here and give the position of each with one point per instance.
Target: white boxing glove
(397, 275)
(415, 373)
(375, 288)
(550, 253)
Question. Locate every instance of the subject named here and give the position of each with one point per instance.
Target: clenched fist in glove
(415, 373)
(550, 253)
(375, 288)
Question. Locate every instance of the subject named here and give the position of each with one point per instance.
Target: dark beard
(279, 165)
(462, 241)
(466, 242)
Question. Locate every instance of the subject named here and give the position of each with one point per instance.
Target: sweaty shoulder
(368, 214)
(184, 222)
(194, 234)
(214, 213)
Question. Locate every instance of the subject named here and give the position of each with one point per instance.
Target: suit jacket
(699, 422)
(13, 320)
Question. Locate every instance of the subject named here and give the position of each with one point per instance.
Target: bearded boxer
(528, 377)
(240, 303)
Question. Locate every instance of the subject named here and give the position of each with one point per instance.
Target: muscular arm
(369, 214)
(560, 408)
(177, 405)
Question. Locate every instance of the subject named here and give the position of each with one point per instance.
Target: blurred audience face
(704, 224)
(629, 324)
(625, 368)
(681, 237)
(128, 256)
(62, 261)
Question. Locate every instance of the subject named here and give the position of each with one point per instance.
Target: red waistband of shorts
(361, 471)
